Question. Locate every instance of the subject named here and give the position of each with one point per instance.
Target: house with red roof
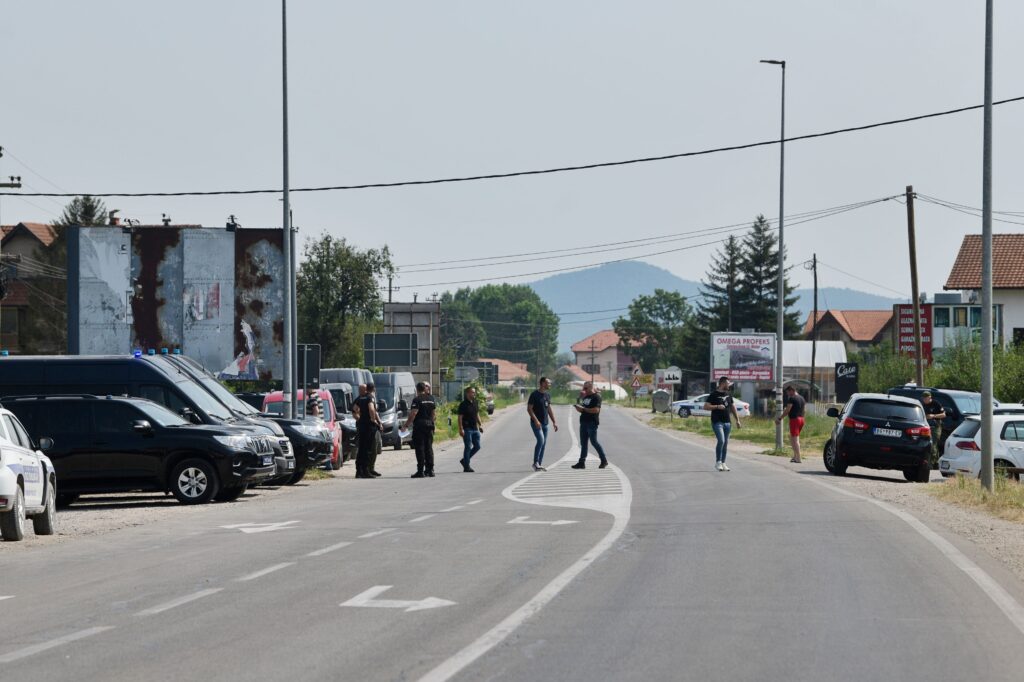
(600, 354)
(959, 314)
(857, 329)
(21, 269)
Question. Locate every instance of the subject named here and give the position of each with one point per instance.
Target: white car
(963, 447)
(695, 407)
(28, 484)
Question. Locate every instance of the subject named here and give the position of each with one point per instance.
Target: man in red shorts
(793, 407)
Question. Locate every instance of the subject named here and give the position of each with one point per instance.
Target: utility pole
(814, 324)
(15, 183)
(288, 382)
(987, 473)
(918, 360)
(592, 344)
(390, 277)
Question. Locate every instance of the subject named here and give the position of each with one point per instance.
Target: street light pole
(780, 313)
(286, 230)
(987, 473)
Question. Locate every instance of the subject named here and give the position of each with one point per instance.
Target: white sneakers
(721, 466)
(725, 467)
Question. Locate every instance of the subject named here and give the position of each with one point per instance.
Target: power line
(514, 174)
(968, 210)
(867, 281)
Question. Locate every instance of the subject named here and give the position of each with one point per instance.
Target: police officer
(934, 413)
(367, 427)
(421, 416)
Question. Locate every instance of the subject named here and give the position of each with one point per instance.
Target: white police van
(28, 485)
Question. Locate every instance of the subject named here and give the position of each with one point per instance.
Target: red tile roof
(604, 339)
(859, 325)
(1007, 263)
(578, 372)
(507, 370)
(44, 233)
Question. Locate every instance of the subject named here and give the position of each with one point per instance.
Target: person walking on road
(421, 417)
(723, 409)
(469, 427)
(589, 408)
(794, 407)
(367, 427)
(934, 413)
(539, 408)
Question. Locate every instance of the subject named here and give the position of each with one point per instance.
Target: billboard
(743, 357)
(846, 380)
(904, 313)
(215, 294)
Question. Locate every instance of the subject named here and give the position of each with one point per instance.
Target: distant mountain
(614, 286)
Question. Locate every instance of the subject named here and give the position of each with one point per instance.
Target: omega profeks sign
(743, 357)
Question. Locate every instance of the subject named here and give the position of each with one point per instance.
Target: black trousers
(423, 441)
(367, 452)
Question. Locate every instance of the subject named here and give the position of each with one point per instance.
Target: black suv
(956, 404)
(880, 431)
(105, 445)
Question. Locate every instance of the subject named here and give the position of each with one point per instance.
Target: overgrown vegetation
(1005, 501)
(758, 430)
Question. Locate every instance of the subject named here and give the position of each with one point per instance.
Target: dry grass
(758, 430)
(1005, 501)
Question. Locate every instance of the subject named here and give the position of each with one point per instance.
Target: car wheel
(828, 455)
(46, 522)
(231, 494)
(398, 439)
(910, 474)
(65, 500)
(194, 481)
(335, 464)
(296, 477)
(684, 412)
(12, 523)
(924, 472)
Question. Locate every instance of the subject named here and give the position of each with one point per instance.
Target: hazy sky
(122, 95)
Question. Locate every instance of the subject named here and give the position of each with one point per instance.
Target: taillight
(851, 423)
(967, 445)
(924, 431)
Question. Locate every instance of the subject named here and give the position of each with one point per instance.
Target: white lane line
(9, 596)
(474, 502)
(179, 602)
(423, 518)
(43, 646)
(265, 571)
(455, 508)
(375, 533)
(461, 660)
(325, 550)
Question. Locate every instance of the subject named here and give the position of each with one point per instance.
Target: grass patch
(758, 430)
(1005, 501)
(316, 474)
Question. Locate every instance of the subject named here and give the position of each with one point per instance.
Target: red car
(272, 403)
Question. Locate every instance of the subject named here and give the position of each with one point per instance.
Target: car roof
(886, 396)
(931, 389)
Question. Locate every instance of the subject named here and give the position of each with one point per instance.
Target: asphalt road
(658, 568)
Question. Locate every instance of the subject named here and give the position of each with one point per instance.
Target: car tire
(828, 457)
(296, 477)
(45, 523)
(910, 474)
(231, 494)
(65, 500)
(335, 464)
(1000, 466)
(398, 439)
(684, 412)
(12, 523)
(194, 481)
(924, 472)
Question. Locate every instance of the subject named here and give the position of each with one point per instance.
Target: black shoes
(429, 473)
(604, 463)
(375, 474)
(579, 465)
(418, 474)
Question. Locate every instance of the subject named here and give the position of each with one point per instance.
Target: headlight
(308, 430)
(234, 442)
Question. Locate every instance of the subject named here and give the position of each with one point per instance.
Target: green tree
(46, 322)
(462, 334)
(338, 297)
(519, 326)
(758, 283)
(718, 306)
(656, 323)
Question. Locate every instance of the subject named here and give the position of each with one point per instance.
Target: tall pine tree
(759, 282)
(719, 290)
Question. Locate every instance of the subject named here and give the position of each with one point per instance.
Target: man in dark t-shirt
(793, 406)
(589, 407)
(469, 427)
(719, 402)
(421, 417)
(367, 427)
(539, 408)
(934, 413)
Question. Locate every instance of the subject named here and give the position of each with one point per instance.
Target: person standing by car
(367, 427)
(794, 407)
(934, 413)
(589, 407)
(313, 404)
(722, 409)
(421, 417)
(469, 427)
(539, 408)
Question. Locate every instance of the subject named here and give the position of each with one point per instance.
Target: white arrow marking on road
(367, 600)
(522, 520)
(10, 596)
(261, 527)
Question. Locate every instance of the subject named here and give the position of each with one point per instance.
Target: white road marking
(261, 527)
(617, 505)
(423, 518)
(375, 533)
(455, 508)
(9, 596)
(265, 571)
(43, 646)
(368, 599)
(474, 502)
(522, 520)
(179, 602)
(325, 550)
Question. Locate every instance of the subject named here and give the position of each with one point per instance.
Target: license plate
(291, 465)
(944, 466)
(889, 433)
(268, 459)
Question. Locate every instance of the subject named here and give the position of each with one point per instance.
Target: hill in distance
(575, 296)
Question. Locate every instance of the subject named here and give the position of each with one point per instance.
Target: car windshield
(967, 429)
(968, 403)
(225, 396)
(884, 409)
(204, 401)
(274, 408)
(160, 415)
(339, 400)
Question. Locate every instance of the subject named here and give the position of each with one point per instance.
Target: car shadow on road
(93, 503)
(855, 476)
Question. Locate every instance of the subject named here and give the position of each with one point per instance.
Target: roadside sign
(637, 370)
(466, 373)
(636, 382)
(390, 350)
(672, 375)
(308, 357)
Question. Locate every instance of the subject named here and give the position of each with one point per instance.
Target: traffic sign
(636, 382)
(673, 375)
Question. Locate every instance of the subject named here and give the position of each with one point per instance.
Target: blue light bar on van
(152, 351)
(163, 351)
(137, 353)
(177, 351)
(4, 353)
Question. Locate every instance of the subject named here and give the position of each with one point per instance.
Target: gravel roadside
(1002, 540)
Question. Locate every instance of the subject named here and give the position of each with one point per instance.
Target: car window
(1013, 431)
(67, 421)
(160, 415)
(12, 433)
(112, 418)
(885, 409)
(968, 404)
(967, 429)
(3, 431)
(22, 433)
(274, 408)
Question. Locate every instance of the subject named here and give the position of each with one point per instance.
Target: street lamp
(780, 321)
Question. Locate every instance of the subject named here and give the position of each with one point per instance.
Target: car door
(120, 452)
(25, 456)
(1010, 445)
(698, 406)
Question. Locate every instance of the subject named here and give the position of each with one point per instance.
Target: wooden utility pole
(814, 324)
(918, 360)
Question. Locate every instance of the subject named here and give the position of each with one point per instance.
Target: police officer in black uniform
(421, 416)
(367, 427)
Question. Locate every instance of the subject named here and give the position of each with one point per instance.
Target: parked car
(963, 448)
(396, 390)
(312, 442)
(353, 376)
(342, 394)
(28, 482)
(880, 431)
(956, 404)
(695, 406)
(328, 420)
(117, 444)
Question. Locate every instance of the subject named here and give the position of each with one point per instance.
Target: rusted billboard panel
(214, 294)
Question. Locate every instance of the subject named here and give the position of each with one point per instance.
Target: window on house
(941, 317)
(960, 316)
(975, 316)
(591, 369)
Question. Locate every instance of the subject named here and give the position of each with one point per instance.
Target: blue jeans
(541, 434)
(588, 433)
(722, 430)
(471, 443)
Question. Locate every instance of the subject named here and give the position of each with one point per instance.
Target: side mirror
(403, 406)
(348, 402)
(142, 426)
(382, 406)
(832, 412)
(189, 415)
(45, 444)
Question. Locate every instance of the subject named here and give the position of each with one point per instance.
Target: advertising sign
(905, 330)
(743, 357)
(846, 380)
(390, 350)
